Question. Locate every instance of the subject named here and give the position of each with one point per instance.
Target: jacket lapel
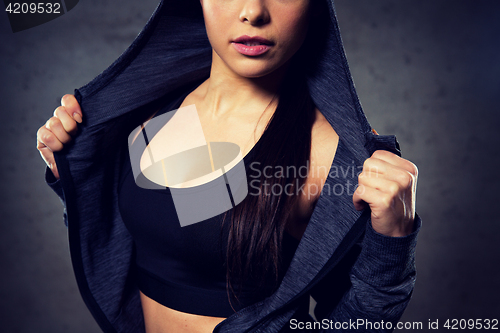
(332, 218)
(333, 228)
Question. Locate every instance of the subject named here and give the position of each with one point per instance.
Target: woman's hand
(388, 185)
(58, 130)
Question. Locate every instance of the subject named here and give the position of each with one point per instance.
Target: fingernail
(77, 117)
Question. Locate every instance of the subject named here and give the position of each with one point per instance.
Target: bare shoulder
(324, 142)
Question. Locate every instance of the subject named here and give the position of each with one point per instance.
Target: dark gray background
(427, 71)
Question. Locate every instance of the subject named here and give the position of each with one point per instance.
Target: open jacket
(351, 271)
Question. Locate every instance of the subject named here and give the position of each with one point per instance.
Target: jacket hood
(172, 52)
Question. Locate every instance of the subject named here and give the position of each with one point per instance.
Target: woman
(272, 79)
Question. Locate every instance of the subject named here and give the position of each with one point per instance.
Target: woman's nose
(254, 12)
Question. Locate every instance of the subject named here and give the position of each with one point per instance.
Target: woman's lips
(251, 50)
(252, 46)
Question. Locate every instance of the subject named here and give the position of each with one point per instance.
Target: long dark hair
(257, 224)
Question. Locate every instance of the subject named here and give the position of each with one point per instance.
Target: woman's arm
(55, 185)
(52, 137)
(383, 275)
(381, 284)
(58, 131)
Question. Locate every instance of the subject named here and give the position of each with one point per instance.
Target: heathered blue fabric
(352, 271)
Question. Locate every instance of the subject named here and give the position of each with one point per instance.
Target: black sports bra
(183, 268)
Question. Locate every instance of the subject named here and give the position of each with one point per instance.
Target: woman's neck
(225, 93)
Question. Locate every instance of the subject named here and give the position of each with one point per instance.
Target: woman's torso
(161, 318)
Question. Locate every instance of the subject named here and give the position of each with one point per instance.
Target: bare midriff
(161, 319)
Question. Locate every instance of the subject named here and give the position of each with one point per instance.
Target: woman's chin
(246, 67)
(254, 72)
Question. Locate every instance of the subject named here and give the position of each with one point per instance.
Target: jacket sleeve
(381, 284)
(55, 185)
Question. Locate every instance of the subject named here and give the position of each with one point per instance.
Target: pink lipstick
(252, 46)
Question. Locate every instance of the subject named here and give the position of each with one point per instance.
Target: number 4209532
(462, 324)
(32, 8)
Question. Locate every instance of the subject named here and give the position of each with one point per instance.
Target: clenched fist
(388, 185)
(58, 130)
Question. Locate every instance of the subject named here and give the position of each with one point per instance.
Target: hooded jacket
(352, 271)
